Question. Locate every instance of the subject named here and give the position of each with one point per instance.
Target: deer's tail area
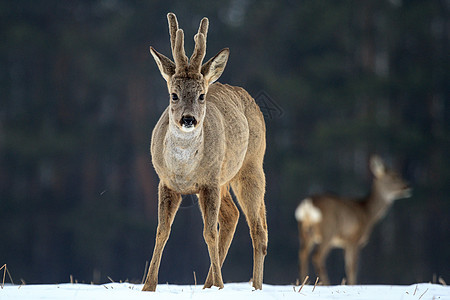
(308, 215)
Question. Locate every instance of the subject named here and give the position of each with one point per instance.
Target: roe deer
(331, 221)
(211, 137)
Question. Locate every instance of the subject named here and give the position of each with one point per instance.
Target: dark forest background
(336, 80)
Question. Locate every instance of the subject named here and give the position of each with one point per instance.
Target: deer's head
(388, 182)
(188, 80)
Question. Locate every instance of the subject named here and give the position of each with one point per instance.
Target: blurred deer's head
(388, 183)
(188, 80)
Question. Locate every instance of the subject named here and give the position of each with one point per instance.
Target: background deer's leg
(319, 260)
(209, 205)
(249, 188)
(228, 219)
(168, 204)
(306, 245)
(351, 263)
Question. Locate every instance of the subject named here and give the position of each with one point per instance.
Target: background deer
(331, 221)
(211, 137)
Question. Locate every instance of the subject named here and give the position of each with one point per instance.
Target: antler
(173, 28)
(181, 60)
(177, 43)
(200, 46)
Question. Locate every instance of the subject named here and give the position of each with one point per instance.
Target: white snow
(231, 291)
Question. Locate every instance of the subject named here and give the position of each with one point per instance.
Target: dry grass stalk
(9, 275)
(296, 284)
(145, 272)
(442, 281)
(315, 283)
(415, 290)
(71, 278)
(304, 282)
(22, 282)
(423, 294)
(4, 274)
(5, 270)
(195, 279)
(110, 279)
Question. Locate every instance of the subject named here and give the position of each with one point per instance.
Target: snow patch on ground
(231, 291)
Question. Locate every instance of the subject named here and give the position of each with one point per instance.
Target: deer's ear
(377, 166)
(214, 67)
(165, 65)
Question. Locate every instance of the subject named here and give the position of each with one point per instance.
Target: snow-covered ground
(232, 291)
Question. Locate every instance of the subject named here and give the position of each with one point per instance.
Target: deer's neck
(183, 150)
(377, 204)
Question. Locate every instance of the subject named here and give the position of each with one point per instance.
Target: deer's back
(342, 218)
(231, 101)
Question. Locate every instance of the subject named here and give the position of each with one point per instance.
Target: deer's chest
(180, 162)
(181, 159)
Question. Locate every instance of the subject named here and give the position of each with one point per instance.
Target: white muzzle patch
(187, 128)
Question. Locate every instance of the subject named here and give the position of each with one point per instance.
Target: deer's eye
(201, 97)
(174, 97)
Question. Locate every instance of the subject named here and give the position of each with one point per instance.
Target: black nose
(188, 121)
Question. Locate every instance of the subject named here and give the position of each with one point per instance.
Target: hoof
(209, 285)
(257, 286)
(149, 288)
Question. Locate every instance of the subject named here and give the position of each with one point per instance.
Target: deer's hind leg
(249, 187)
(306, 245)
(351, 263)
(228, 219)
(209, 201)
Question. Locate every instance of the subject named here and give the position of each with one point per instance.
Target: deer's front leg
(210, 205)
(168, 204)
(319, 258)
